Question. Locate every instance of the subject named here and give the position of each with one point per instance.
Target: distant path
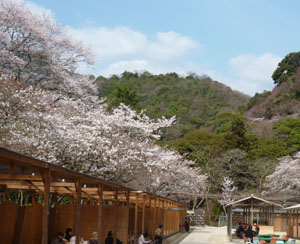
(204, 235)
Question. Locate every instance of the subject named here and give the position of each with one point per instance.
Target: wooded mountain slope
(193, 99)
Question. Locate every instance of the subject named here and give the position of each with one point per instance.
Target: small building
(293, 221)
(252, 206)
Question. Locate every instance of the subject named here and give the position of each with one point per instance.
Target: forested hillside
(194, 100)
(214, 126)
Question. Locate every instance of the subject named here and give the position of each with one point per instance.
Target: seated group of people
(158, 235)
(68, 237)
(247, 231)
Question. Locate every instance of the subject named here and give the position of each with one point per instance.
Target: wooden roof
(297, 206)
(256, 202)
(26, 173)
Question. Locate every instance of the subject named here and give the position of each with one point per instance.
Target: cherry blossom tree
(82, 135)
(34, 47)
(228, 189)
(285, 180)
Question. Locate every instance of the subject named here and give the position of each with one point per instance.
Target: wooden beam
(77, 210)
(20, 177)
(45, 221)
(100, 205)
(37, 189)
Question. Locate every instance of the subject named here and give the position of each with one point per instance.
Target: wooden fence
(95, 205)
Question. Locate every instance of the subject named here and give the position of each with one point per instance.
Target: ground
(204, 235)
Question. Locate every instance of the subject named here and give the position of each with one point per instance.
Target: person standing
(158, 234)
(187, 221)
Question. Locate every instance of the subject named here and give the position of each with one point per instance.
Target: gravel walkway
(201, 235)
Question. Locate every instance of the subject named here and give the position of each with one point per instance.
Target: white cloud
(250, 73)
(122, 47)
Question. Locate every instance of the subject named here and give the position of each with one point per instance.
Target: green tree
(236, 137)
(289, 130)
(287, 68)
(123, 95)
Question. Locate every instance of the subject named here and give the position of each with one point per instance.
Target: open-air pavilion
(293, 221)
(264, 212)
(94, 205)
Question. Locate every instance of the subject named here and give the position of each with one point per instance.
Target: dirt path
(206, 235)
(201, 235)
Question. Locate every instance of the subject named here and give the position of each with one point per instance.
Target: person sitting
(240, 230)
(68, 234)
(58, 239)
(110, 238)
(143, 239)
(94, 238)
(255, 229)
(249, 233)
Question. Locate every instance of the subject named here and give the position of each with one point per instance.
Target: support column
(155, 216)
(128, 213)
(115, 216)
(230, 222)
(100, 213)
(163, 217)
(143, 216)
(46, 178)
(150, 220)
(136, 218)
(77, 210)
(297, 224)
(5, 194)
(251, 214)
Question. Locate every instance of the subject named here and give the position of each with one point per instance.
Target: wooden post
(287, 222)
(5, 194)
(297, 224)
(150, 219)
(143, 217)
(115, 216)
(273, 215)
(54, 199)
(100, 205)
(136, 218)
(46, 179)
(163, 216)
(155, 216)
(128, 212)
(251, 214)
(77, 210)
(230, 222)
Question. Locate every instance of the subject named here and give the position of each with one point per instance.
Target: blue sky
(237, 42)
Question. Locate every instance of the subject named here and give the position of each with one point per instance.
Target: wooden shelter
(94, 205)
(293, 221)
(265, 209)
